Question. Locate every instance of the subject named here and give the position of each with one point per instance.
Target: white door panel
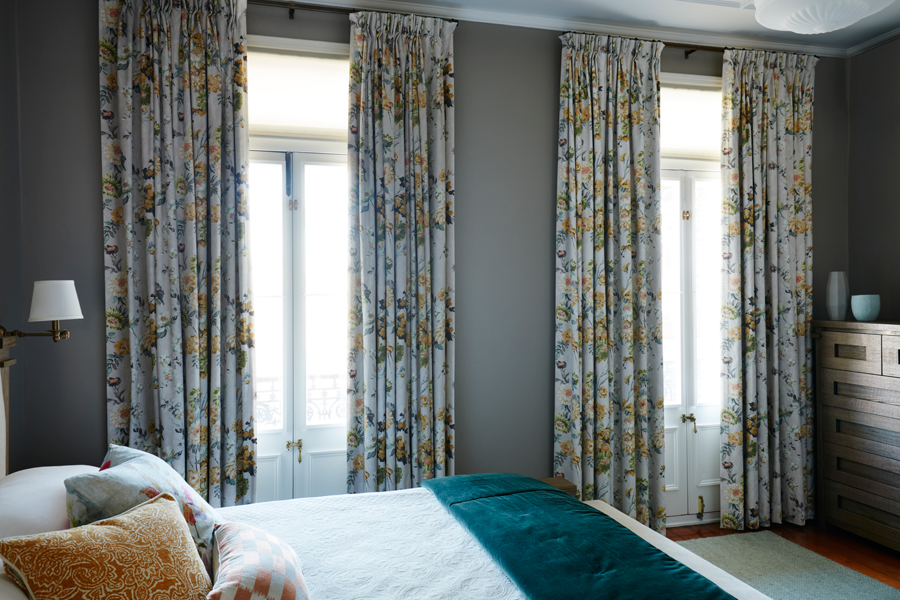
(676, 457)
(691, 217)
(319, 186)
(270, 243)
(298, 217)
(328, 473)
(267, 477)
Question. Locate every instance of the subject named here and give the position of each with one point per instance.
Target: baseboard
(684, 520)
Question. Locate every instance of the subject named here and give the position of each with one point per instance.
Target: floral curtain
(767, 420)
(609, 423)
(174, 142)
(401, 363)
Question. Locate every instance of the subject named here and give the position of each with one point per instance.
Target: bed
(403, 544)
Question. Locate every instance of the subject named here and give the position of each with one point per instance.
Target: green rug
(783, 570)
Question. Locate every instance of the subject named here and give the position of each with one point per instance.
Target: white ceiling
(698, 21)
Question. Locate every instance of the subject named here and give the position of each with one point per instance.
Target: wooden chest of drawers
(858, 422)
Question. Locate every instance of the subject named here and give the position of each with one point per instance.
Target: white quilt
(400, 545)
(391, 545)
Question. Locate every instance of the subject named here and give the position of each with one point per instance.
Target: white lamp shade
(54, 301)
(815, 16)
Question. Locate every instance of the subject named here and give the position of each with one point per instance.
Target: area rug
(783, 570)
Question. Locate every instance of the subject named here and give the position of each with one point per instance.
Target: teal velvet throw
(553, 546)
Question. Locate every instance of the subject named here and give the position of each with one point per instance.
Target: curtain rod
(691, 48)
(339, 10)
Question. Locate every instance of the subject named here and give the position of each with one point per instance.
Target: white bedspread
(401, 545)
(393, 545)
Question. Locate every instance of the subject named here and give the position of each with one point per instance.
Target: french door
(691, 284)
(298, 229)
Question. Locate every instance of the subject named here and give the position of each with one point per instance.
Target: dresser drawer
(871, 433)
(860, 352)
(873, 394)
(868, 514)
(862, 470)
(890, 355)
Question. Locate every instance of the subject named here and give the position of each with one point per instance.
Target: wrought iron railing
(326, 401)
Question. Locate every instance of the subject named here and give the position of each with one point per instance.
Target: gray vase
(837, 296)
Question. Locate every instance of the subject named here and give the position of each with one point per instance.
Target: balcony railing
(326, 401)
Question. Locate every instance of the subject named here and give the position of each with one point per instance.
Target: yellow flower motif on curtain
(122, 347)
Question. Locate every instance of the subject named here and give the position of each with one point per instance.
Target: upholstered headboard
(6, 362)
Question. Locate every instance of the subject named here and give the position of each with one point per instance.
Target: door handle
(691, 418)
(299, 446)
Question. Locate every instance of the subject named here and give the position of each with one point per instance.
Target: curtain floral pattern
(609, 423)
(401, 362)
(179, 309)
(767, 419)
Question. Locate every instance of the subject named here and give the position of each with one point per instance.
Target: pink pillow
(254, 564)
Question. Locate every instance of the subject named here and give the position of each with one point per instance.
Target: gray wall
(507, 93)
(64, 409)
(874, 221)
(506, 119)
(11, 212)
(831, 177)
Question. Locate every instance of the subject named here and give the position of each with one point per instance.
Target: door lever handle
(299, 446)
(691, 418)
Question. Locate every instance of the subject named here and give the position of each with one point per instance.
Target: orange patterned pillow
(146, 552)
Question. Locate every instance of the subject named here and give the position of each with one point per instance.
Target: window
(297, 93)
(690, 118)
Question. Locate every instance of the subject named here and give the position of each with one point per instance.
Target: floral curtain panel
(767, 419)
(609, 425)
(401, 363)
(179, 335)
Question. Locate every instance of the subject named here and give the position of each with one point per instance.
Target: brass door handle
(299, 446)
(691, 418)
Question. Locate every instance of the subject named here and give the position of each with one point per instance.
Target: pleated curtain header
(772, 60)
(388, 25)
(609, 44)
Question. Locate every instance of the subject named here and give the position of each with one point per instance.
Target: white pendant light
(815, 16)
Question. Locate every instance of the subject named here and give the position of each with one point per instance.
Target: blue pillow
(132, 478)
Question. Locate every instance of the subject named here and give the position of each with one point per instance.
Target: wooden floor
(842, 547)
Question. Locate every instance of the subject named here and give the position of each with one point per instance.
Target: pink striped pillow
(254, 565)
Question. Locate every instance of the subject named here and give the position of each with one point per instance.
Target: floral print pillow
(130, 477)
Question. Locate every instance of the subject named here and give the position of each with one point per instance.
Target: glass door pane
(267, 263)
(672, 295)
(707, 301)
(325, 239)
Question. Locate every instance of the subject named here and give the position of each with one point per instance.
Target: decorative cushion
(34, 500)
(255, 565)
(134, 477)
(146, 552)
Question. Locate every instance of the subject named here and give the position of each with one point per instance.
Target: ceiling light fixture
(815, 16)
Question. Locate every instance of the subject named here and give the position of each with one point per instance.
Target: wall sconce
(52, 301)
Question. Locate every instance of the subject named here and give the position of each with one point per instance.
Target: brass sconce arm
(55, 332)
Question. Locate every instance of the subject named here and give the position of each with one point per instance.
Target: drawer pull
(866, 472)
(867, 432)
(850, 352)
(868, 512)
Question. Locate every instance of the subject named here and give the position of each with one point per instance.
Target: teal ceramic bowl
(865, 308)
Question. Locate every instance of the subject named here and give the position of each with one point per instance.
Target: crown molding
(678, 36)
(881, 40)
